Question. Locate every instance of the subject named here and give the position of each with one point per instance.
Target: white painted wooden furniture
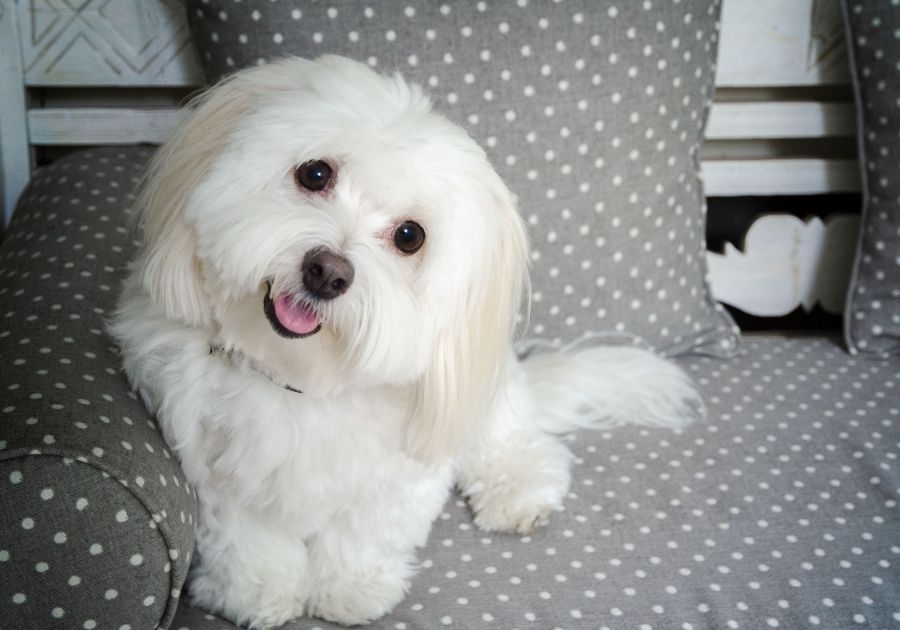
(54, 45)
(782, 122)
(787, 262)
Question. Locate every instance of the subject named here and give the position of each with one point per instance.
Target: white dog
(321, 317)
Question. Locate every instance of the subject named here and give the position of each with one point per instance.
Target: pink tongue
(295, 317)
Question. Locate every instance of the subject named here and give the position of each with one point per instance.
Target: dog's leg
(516, 471)
(513, 474)
(362, 563)
(247, 569)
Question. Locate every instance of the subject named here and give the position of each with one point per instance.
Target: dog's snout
(326, 275)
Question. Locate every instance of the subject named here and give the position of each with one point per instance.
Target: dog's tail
(606, 387)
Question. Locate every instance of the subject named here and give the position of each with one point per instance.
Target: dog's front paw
(358, 599)
(502, 509)
(250, 605)
(516, 490)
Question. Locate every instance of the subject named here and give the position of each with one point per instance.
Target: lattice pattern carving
(106, 42)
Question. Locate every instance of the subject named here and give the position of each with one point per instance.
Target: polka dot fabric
(80, 551)
(591, 111)
(97, 520)
(872, 317)
(779, 511)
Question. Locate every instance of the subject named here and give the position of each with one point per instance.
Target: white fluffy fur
(316, 502)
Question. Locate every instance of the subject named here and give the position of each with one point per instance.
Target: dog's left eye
(409, 237)
(314, 175)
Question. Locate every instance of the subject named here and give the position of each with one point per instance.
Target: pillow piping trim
(176, 579)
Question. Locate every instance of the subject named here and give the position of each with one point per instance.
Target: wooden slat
(724, 178)
(101, 125)
(728, 121)
(15, 154)
(731, 121)
(783, 176)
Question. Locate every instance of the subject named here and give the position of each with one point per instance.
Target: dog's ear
(168, 266)
(466, 369)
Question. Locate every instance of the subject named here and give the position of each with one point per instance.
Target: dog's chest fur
(293, 456)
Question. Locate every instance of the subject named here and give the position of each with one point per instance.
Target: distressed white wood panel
(85, 126)
(785, 263)
(146, 42)
(789, 119)
(106, 42)
(779, 177)
(15, 154)
(781, 43)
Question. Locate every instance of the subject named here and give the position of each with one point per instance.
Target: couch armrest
(97, 519)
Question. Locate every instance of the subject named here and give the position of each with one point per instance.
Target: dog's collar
(233, 354)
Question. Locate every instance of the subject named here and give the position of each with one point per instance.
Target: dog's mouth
(289, 317)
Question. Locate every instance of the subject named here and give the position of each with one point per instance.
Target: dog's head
(320, 218)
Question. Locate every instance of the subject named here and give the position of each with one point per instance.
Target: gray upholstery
(781, 505)
(592, 112)
(872, 316)
(97, 521)
(779, 511)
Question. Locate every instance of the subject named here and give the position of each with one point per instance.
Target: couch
(778, 510)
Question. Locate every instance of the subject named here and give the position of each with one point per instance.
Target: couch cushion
(778, 511)
(97, 520)
(591, 111)
(872, 315)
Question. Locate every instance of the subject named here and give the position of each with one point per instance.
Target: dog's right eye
(314, 175)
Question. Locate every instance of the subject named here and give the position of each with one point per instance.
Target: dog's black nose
(326, 275)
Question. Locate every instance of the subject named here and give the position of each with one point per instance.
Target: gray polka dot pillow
(96, 519)
(872, 317)
(592, 111)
